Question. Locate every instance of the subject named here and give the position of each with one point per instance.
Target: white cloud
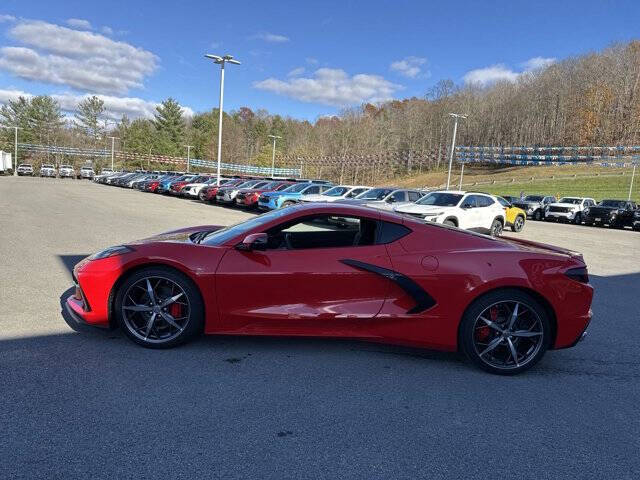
(79, 23)
(492, 74)
(538, 63)
(270, 37)
(296, 71)
(107, 30)
(6, 95)
(312, 61)
(409, 67)
(329, 86)
(78, 59)
(499, 72)
(115, 106)
(7, 18)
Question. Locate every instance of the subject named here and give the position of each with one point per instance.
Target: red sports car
(248, 197)
(342, 271)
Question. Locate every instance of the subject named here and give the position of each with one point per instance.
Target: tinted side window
(390, 232)
(469, 202)
(311, 190)
(399, 197)
(483, 201)
(413, 196)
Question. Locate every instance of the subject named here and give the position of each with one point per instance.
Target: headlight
(636, 214)
(111, 252)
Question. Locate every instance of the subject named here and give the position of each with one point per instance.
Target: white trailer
(5, 162)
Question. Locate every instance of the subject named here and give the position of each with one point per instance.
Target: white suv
(87, 172)
(66, 171)
(47, 170)
(568, 209)
(25, 169)
(468, 210)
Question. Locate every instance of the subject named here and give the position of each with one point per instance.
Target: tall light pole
(221, 61)
(633, 174)
(273, 154)
(456, 116)
(113, 140)
(189, 147)
(15, 149)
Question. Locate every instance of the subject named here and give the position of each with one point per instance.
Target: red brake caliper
(175, 310)
(483, 333)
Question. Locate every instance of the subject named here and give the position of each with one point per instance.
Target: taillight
(579, 274)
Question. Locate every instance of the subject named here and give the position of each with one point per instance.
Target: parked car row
(63, 171)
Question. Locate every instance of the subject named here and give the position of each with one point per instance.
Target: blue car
(290, 195)
(165, 185)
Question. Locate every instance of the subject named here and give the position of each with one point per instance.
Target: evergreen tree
(88, 115)
(170, 126)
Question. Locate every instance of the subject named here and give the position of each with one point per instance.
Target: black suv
(534, 205)
(615, 213)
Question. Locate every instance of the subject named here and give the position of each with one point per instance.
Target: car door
(308, 284)
(468, 212)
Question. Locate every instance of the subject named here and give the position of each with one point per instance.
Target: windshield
(298, 187)
(375, 194)
(47, 166)
(336, 191)
(612, 203)
(533, 198)
(574, 201)
(441, 199)
(66, 166)
(223, 235)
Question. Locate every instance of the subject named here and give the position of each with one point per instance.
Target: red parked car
(208, 194)
(248, 197)
(329, 270)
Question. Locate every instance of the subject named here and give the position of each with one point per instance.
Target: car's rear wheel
(518, 224)
(496, 228)
(505, 332)
(288, 203)
(158, 307)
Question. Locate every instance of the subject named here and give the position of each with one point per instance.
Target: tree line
(591, 99)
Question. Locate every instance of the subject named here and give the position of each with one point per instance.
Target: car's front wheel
(505, 332)
(159, 307)
(496, 228)
(537, 215)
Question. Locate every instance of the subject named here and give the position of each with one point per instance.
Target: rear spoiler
(544, 246)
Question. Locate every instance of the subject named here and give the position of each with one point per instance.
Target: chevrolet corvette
(334, 270)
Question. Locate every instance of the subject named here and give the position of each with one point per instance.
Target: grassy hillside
(598, 183)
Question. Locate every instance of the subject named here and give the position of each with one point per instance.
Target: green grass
(598, 187)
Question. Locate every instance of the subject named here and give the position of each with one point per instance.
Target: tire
(496, 228)
(518, 224)
(450, 223)
(578, 219)
(537, 215)
(532, 348)
(288, 203)
(162, 333)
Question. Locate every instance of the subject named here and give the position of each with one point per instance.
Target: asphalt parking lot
(92, 404)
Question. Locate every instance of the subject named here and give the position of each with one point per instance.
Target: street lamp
(221, 61)
(15, 148)
(189, 147)
(113, 140)
(273, 154)
(456, 116)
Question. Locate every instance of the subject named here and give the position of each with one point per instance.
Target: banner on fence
(618, 156)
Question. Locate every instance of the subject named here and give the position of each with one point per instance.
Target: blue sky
(300, 59)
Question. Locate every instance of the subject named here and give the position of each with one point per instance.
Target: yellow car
(514, 216)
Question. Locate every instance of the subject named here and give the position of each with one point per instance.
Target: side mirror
(255, 241)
